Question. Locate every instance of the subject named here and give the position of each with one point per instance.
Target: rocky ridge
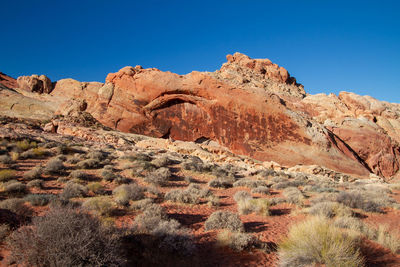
(250, 106)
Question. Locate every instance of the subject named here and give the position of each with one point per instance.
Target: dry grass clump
(123, 194)
(72, 190)
(224, 220)
(97, 188)
(39, 199)
(38, 183)
(293, 195)
(100, 205)
(380, 234)
(65, 237)
(330, 209)
(249, 183)
(259, 206)
(241, 195)
(263, 190)
(54, 166)
(171, 235)
(236, 241)
(316, 241)
(6, 175)
(191, 195)
(34, 173)
(158, 177)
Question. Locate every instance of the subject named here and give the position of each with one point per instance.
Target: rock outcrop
(35, 83)
(250, 106)
(7, 81)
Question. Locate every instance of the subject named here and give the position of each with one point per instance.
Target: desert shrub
(163, 161)
(193, 164)
(330, 209)
(35, 153)
(241, 195)
(72, 190)
(4, 230)
(108, 175)
(139, 156)
(224, 220)
(74, 159)
(25, 145)
(122, 180)
(15, 188)
(347, 222)
(159, 177)
(125, 193)
(97, 155)
(6, 175)
(259, 206)
(66, 237)
(386, 238)
(63, 180)
(38, 183)
(293, 195)
(172, 236)
(140, 167)
(39, 199)
(357, 200)
(221, 182)
(6, 159)
(34, 173)
(324, 197)
(249, 183)
(213, 201)
(277, 200)
(316, 241)
(261, 190)
(141, 204)
(96, 188)
(54, 166)
(236, 241)
(89, 164)
(77, 174)
(17, 206)
(266, 173)
(100, 205)
(192, 194)
(286, 184)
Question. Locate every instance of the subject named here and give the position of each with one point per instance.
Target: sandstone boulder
(34, 83)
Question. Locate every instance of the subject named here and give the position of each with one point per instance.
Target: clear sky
(329, 46)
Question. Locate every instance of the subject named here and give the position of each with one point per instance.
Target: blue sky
(329, 46)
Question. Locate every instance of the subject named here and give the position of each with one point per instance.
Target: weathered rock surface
(35, 83)
(7, 81)
(250, 106)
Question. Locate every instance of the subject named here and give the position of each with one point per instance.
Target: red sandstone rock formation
(34, 83)
(7, 81)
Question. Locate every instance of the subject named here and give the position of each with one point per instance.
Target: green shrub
(65, 237)
(100, 205)
(96, 188)
(123, 194)
(224, 220)
(316, 241)
(6, 175)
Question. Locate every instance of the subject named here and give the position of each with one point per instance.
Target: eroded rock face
(7, 81)
(251, 106)
(35, 83)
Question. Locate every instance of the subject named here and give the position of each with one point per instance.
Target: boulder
(34, 83)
